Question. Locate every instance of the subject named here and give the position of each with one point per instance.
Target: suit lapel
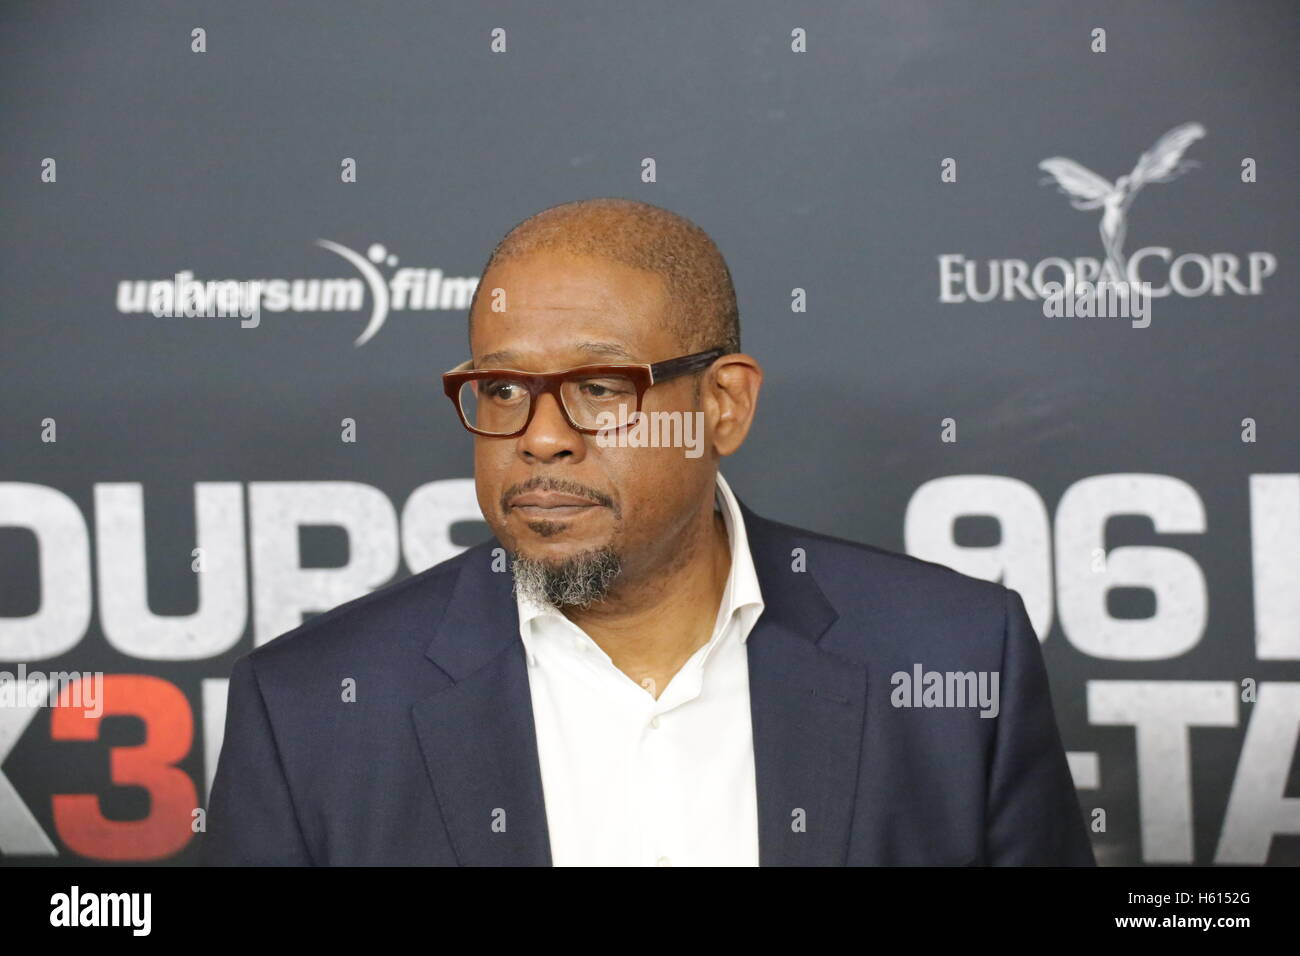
(477, 736)
(807, 705)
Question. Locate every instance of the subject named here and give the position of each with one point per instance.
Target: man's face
(553, 493)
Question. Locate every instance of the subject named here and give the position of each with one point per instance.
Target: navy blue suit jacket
(439, 748)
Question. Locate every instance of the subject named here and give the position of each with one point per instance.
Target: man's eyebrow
(604, 349)
(493, 358)
(610, 349)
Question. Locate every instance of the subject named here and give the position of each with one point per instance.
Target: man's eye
(602, 388)
(501, 391)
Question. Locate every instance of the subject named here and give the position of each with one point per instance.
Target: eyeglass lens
(499, 405)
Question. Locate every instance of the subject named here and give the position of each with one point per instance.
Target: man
(662, 677)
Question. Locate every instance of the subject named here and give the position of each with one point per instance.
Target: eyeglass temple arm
(662, 371)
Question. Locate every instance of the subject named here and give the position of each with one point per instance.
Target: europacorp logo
(1158, 271)
(405, 289)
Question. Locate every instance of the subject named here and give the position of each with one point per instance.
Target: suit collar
(480, 620)
(807, 703)
(792, 597)
(477, 735)
(482, 616)
(807, 707)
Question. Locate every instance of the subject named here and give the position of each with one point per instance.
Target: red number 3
(168, 733)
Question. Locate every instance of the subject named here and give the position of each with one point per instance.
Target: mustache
(561, 485)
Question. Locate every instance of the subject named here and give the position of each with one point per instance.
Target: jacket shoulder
(888, 604)
(845, 568)
(398, 616)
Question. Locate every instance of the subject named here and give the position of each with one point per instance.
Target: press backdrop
(871, 171)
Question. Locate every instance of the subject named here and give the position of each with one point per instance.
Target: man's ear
(731, 398)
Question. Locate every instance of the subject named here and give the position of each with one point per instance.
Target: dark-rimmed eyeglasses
(500, 402)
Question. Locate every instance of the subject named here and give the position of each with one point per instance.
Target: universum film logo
(1157, 271)
(406, 289)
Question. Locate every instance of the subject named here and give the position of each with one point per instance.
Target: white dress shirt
(634, 781)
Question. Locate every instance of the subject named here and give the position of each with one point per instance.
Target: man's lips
(551, 503)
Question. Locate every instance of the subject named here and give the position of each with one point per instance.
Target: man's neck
(651, 628)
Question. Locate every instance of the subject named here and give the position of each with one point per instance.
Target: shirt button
(663, 861)
(654, 723)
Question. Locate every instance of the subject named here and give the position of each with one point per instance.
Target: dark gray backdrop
(817, 170)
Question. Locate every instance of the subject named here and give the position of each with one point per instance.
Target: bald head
(702, 301)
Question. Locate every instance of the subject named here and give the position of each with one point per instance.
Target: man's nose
(550, 437)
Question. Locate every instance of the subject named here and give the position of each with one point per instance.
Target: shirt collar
(741, 594)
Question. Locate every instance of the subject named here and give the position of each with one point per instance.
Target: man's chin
(545, 539)
(558, 551)
(575, 578)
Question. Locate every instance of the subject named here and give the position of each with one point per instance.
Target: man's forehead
(558, 309)
(559, 280)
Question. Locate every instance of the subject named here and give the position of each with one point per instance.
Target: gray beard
(579, 581)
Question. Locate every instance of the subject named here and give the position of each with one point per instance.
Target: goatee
(577, 581)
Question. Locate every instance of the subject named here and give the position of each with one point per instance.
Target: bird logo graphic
(1162, 163)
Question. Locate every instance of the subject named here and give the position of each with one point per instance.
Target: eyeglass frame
(643, 376)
